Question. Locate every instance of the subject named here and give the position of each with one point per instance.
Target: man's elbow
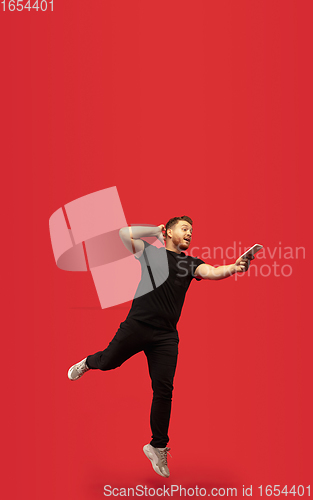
(124, 232)
(205, 272)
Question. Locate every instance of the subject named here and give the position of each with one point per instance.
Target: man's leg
(130, 338)
(162, 360)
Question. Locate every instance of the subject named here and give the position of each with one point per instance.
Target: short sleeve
(195, 263)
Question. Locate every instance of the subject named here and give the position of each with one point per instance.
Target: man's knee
(162, 388)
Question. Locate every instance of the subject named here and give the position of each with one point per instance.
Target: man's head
(178, 232)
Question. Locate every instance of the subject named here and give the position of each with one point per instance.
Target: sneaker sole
(152, 457)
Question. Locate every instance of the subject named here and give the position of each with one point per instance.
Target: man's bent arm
(131, 235)
(137, 232)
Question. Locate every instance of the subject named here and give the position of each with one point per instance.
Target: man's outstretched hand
(242, 265)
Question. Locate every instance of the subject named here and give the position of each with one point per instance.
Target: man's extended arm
(208, 272)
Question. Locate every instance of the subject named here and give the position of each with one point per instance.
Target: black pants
(161, 350)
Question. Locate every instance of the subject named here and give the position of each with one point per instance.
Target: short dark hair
(172, 222)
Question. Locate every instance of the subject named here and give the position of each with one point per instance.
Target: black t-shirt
(165, 279)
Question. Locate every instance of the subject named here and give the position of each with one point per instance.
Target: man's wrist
(232, 269)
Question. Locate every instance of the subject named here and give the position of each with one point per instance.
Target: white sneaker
(158, 457)
(78, 370)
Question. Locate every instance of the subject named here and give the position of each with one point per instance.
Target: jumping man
(151, 322)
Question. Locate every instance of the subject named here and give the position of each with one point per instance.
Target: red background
(200, 108)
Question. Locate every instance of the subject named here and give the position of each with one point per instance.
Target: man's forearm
(137, 232)
(221, 272)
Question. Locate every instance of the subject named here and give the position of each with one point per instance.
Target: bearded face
(181, 235)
